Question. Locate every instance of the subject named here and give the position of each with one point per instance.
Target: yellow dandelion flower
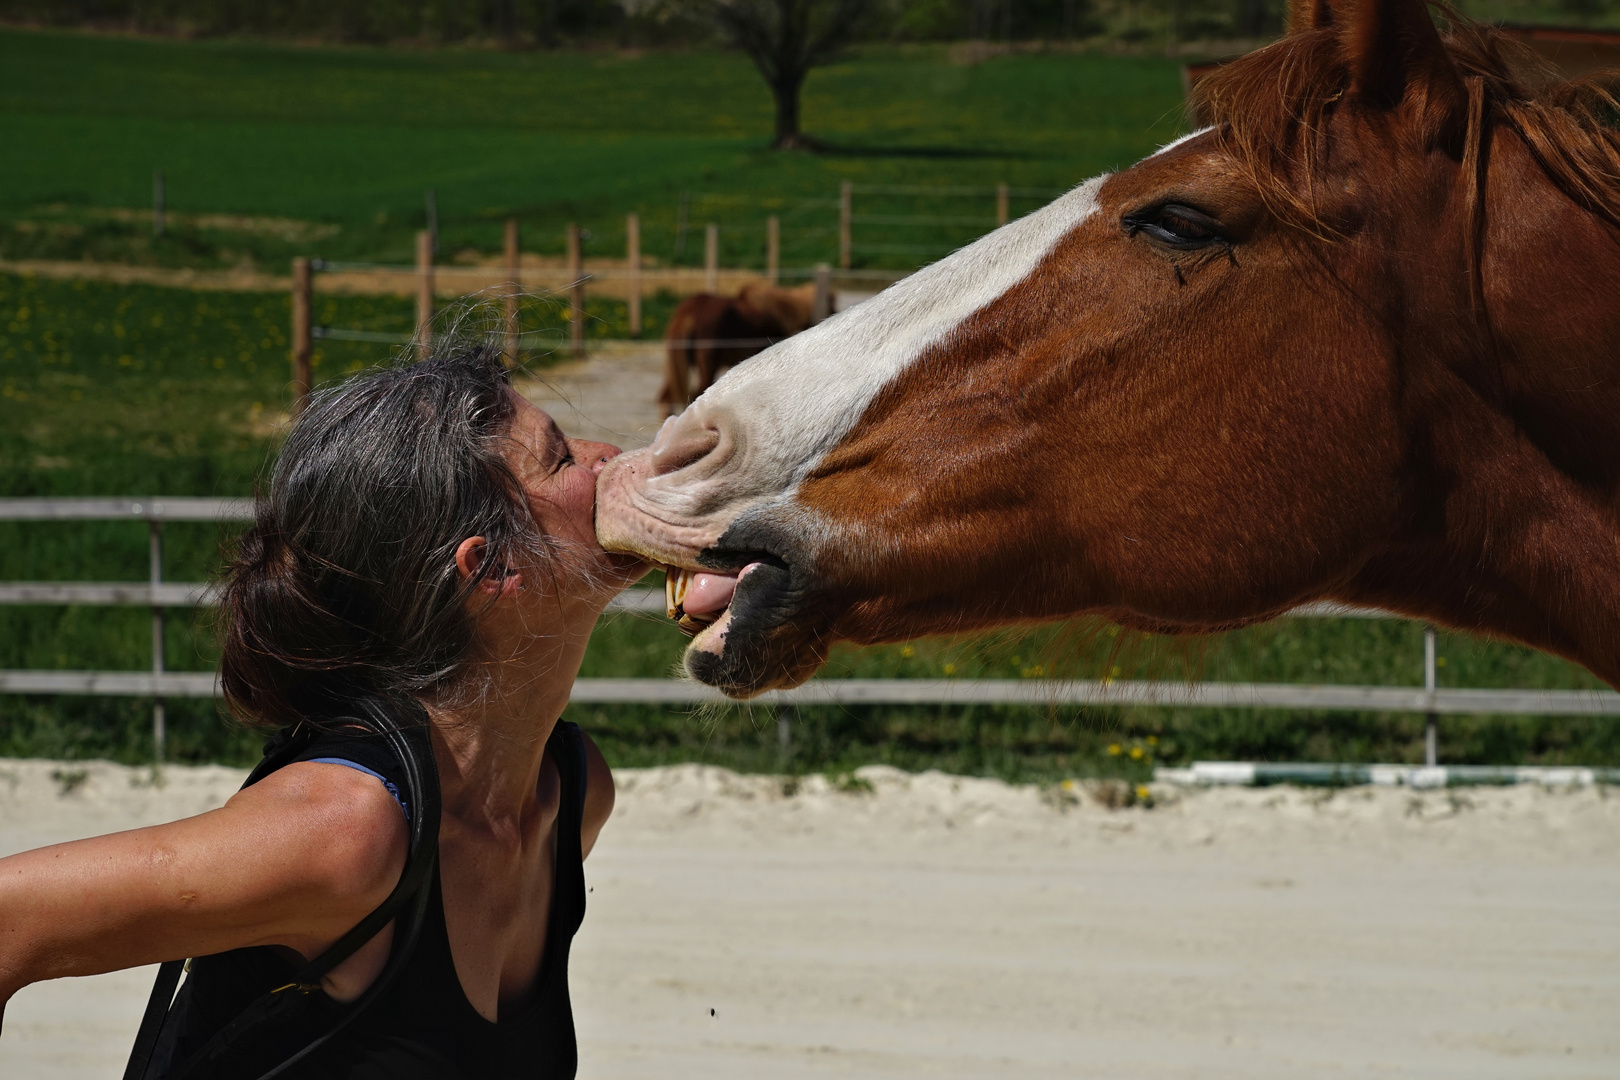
(949, 669)
(1136, 753)
(908, 652)
(1114, 749)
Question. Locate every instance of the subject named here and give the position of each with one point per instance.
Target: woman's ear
(498, 580)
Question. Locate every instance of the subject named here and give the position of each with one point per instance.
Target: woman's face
(559, 476)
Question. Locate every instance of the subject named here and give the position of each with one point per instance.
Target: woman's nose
(595, 454)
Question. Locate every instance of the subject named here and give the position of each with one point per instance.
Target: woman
(426, 557)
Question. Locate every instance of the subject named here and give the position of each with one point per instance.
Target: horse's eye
(1176, 226)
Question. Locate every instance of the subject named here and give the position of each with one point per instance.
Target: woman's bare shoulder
(348, 831)
(294, 860)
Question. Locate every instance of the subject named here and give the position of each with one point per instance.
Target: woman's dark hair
(346, 585)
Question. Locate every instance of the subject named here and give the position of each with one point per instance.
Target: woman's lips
(696, 598)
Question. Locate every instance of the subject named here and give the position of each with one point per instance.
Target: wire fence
(903, 225)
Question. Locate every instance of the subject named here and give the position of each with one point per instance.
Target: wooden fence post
(1001, 204)
(632, 262)
(514, 287)
(822, 305)
(301, 348)
(711, 258)
(576, 291)
(846, 213)
(424, 290)
(773, 249)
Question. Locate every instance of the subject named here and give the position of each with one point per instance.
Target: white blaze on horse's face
(799, 398)
(1174, 143)
(766, 424)
(719, 475)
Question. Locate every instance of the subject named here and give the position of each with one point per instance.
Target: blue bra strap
(357, 767)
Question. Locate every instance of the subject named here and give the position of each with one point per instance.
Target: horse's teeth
(676, 584)
(691, 625)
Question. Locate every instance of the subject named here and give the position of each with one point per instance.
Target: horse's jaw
(753, 632)
(705, 532)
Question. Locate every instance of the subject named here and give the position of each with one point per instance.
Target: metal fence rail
(1037, 692)
(160, 684)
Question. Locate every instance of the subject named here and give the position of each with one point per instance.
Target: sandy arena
(946, 927)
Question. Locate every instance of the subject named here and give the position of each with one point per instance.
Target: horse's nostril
(681, 444)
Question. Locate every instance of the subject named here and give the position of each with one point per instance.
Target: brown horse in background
(1355, 340)
(709, 332)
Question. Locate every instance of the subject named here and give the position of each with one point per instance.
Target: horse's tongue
(709, 592)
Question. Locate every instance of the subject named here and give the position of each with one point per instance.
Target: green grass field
(350, 137)
(135, 390)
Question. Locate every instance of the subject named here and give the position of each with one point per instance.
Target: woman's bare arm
(599, 795)
(295, 860)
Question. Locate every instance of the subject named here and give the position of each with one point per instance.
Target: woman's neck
(490, 749)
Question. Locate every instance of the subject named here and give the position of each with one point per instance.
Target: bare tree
(785, 39)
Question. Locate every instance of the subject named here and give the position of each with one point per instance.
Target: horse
(1353, 339)
(710, 332)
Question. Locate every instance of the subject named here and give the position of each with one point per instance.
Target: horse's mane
(1270, 113)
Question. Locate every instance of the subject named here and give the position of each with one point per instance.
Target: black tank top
(422, 1027)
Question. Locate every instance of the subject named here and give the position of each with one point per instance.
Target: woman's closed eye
(562, 454)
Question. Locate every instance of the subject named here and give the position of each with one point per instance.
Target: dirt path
(947, 927)
(609, 396)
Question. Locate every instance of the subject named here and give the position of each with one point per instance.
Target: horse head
(1352, 340)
